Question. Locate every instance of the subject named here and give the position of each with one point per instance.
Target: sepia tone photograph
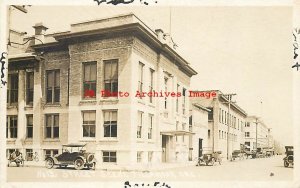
(142, 95)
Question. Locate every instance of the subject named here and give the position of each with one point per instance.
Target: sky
(242, 50)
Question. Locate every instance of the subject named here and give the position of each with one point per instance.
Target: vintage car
(210, 158)
(72, 154)
(237, 154)
(289, 158)
(16, 157)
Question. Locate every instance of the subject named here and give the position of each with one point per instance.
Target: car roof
(74, 145)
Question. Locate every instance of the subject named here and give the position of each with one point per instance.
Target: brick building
(225, 126)
(55, 89)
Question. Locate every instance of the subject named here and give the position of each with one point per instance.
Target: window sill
(52, 105)
(91, 139)
(28, 107)
(85, 101)
(51, 140)
(108, 140)
(11, 106)
(109, 99)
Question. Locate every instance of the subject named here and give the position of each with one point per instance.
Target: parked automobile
(16, 157)
(237, 154)
(72, 154)
(289, 158)
(210, 158)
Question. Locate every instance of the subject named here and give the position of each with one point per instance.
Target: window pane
(106, 116)
(56, 132)
(93, 72)
(48, 121)
(107, 70)
(48, 132)
(106, 130)
(114, 87)
(87, 72)
(49, 94)
(85, 131)
(114, 116)
(114, 71)
(57, 78)
(56, 120)
(56, 94)
(50, 79)
(107, 87)
(29, 120)
(114, 130)
(93, 131)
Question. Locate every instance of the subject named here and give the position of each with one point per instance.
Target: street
(264, 169)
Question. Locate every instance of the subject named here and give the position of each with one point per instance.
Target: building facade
(198, 124)
(86, 85)
(257, 134)
(225, 124)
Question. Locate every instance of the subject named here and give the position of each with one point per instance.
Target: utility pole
(256, 122)
(229, 98)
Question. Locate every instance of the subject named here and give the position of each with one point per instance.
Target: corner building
(116, 54)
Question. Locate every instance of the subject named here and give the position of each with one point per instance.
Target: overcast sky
(242, 50)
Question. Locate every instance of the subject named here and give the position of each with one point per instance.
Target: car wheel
(92, 166)
(286, 164)
(79, 164)
(212, 161)
(49, 163)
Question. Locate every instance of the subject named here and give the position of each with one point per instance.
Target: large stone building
(225, 125)
(56, 85)
(257, 134)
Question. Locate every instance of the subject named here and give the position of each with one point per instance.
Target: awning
(22, 57)
(176, 133)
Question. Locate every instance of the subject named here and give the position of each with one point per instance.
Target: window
(29, 155)
(139, 156)
(29, 126)
(109, 156)
(89, 80)
(150, 126)
(219, 134)
(166, 90)
(12, 127)
(12, 88)
(211, 114)
(52, 126)
(225, 118)
(89, 124)
(29, 87)
(184, 100)
(150, 155)
(110, 124)
(220, 115)
(177, 99)
(151, 84)
(208, 134)
(248, 124)
(50, 152)
(53, 86)
(247, 134)
(140, 81)
(139, 125)
(111, 76)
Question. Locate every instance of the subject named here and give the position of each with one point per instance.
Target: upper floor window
(141, 77)
(208, 134)
(150, 126)
(247, 134)
(12, 88)
(166, 90)
(12, 127)
(89, 124)
(247, 124)
(89, 80)
(29, 126)
(139, 125)
(52, 126)
(211, 114)
(220, 115)
(53, 86)
(111, 76)
(151, 84)
(29, 87)
(184, 100)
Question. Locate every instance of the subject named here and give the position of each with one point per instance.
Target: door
(200, 149)
(164, 148)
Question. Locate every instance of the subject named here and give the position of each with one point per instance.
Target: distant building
(225, 126)
(55, 84)
(198, 124)
(257, 134)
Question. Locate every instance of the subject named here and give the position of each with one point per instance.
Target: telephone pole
(256, 122)
(229, 98)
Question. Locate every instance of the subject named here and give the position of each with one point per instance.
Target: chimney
(160, 35)
(40, 31)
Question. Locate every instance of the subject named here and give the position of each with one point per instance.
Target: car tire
(49, 163)
(93, 167)
(212, 161)
(78, 164)
(286, 164)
